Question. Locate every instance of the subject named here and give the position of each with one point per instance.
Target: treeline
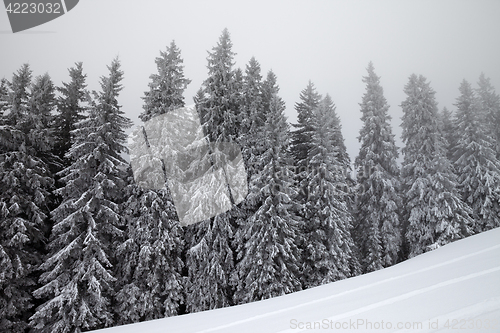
(83, 247)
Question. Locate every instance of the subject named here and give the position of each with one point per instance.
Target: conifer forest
(83, 247)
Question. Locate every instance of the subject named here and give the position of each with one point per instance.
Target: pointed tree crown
(167, 87)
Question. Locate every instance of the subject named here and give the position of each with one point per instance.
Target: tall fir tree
(77, 280)
(475, 162)
(150, 284)
(150, 279)
(253, 115)
(301, 136)
(301, 145)
(268, 252)
(71, 109)
(345, 181)
(167, 86)
(252, 123)
(210, 260)
(377, 221)
(489, 104)
(329, 253)
(447, 130)
(26, 183)
(435, 214)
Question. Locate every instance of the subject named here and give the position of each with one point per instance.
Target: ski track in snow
(401, 297)
(470, 312)
(377, 304)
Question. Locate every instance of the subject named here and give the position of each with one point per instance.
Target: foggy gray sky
(328, 42)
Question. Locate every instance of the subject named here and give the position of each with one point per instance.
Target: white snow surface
(455, 288)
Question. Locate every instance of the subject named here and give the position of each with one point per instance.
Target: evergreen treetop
(489, 106)
(167, 86)
(219, 109)
(19, 94)
(301, 135)
(70, 107)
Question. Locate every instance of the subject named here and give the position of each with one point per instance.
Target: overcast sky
(328, 42)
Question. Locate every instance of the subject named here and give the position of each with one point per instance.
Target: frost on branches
(489, 104)
(77, 275)
(377, 233)
(71, 108)
(210, 259)
(301, 136)
(167, 86)
(475, 161)
(329, 253)
(435, 214)
(150, 283)
(26, 142)
(268, 252)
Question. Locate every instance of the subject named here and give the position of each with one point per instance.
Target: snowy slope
(455, 288)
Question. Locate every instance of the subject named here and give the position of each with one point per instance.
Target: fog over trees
(83, 246)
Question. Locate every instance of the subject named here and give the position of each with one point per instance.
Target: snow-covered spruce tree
(269, 255)
(447, 130)
(489, 104)
(251, 122)
(4, 96)
(150, 283)
(26, 184)
(77, 279)
(268, 91)
(251, 114)
(435, 214)
(70, 108)
(347, 183)
(301, 136)
(475, 162)
(329, 248)
(167, 86)
(219, 109)
(239, 99)
(377, 223)
(210, 263)
(210, 260)
(259, 95)
(338, 139)
(43, 133)
(40, 124)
